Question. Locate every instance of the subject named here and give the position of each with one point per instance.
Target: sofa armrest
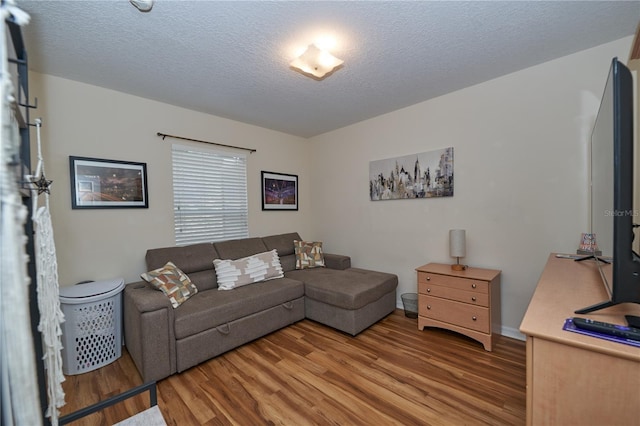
(145, 298)
(337, 261)
(149, 332)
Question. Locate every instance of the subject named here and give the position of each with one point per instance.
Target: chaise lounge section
(163, 340)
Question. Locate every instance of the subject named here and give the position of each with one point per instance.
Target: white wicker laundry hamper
(92, 330)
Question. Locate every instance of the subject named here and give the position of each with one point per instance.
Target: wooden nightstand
(467, 302)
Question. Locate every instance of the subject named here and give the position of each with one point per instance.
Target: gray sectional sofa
(163, 340)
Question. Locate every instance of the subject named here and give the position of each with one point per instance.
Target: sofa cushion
(236, 249)
(308, 254)
(349, 289)
(205, 280)
(288, 262)
(283, 243)
(174, 283)
(194, 260)
(210, 309)
(248, 270)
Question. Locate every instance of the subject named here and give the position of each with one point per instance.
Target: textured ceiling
(231, 59)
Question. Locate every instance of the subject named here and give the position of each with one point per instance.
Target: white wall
(520, 161)
(89, 121)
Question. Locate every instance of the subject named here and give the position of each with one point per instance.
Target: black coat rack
(24, 163)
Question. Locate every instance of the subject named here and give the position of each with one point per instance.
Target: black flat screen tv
(612, 187)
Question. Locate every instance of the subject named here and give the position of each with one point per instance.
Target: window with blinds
(209, 195)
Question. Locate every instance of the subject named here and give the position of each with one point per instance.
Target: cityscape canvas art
(424, 175)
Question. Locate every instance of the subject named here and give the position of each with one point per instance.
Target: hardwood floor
(309, 374)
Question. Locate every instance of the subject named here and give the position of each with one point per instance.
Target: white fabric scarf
(51, 315)
(20, 404)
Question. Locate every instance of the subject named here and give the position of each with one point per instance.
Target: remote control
(568, 256)
(623, 331)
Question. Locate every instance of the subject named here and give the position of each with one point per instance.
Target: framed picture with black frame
(107, 184)
(279, 191)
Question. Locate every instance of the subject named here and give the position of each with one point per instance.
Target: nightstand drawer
(461, 314)
(473, 297)
(453, 282)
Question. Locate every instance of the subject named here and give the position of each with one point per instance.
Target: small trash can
(410, 303)
(92, 329)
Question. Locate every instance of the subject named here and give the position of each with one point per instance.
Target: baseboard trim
(512, 332)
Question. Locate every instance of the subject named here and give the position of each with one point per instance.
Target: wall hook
(35, 105)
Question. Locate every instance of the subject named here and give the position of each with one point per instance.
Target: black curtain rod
(163, 135)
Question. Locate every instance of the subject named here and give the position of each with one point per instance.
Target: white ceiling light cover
(316, 63)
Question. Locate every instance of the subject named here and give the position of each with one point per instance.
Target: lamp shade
(457, 242)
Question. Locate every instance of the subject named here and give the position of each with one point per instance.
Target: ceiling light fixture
(142, 5)
(316, 63)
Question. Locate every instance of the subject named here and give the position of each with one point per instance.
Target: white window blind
(209, 195)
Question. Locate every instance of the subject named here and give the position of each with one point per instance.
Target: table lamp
(457, 247)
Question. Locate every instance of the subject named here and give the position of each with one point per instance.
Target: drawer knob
(473, 299)
(474, 318)
(428, 278)
(428, 290)
(473, 286)
(428, 306)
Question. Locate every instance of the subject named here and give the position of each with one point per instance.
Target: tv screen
(612, 212)
(602, 172)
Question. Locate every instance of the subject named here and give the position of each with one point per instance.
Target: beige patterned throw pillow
(248, 270)
(308, 254)
(174, 283)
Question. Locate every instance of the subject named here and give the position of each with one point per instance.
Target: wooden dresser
(573, 379)
(467, 302)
